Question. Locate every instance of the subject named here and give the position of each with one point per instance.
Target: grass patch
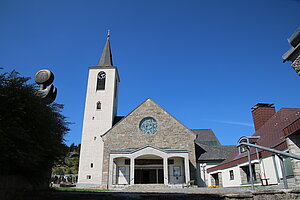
(76, 189)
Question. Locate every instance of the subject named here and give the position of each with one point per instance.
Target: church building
(148, 146)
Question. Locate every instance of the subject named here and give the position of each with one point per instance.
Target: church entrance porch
(148, 176)
(148, 169)
(148, 165)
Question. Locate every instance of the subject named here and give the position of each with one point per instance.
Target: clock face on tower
(148, 126)
(101, 75)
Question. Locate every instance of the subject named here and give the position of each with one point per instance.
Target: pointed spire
(106, 57)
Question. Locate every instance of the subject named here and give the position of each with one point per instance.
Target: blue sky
(206, 62)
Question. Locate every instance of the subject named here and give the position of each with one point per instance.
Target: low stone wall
(279, 194)
(283, 194)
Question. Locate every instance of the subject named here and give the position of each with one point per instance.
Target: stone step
(147, 187)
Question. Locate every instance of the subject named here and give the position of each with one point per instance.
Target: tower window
(101, 80)
(92, 165)
(98, 105)
(231, 174)
(88, 177)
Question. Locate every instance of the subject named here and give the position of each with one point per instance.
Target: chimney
(261, 113)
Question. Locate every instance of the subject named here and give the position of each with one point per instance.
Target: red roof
(271, 135)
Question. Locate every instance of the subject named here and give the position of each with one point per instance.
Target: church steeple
(106, 57)
(99, 114)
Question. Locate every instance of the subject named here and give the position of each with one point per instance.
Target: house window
(101, 77)
(95, 138)
(98, 105)
(88, 177)
(92, 165)
(231, 174)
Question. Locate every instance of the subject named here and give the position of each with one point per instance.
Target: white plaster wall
(96, 123)
(269, 170)
(267, 167)
(226, 177)
(277, 164)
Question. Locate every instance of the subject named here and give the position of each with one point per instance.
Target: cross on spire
(108, 34)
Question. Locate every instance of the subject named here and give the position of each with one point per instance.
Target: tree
(69, 162)
(31, 132)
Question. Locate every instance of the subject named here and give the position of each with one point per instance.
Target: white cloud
(233, 122)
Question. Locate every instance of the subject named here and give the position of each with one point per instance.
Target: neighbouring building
(277, 130)
(209, 153)
(293, 54)
(148, 146)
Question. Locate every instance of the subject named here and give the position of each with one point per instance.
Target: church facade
(148, 146)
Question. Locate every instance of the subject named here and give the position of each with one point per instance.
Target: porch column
(110, 171)
(166, 174)
(186, 168)
(131, 179)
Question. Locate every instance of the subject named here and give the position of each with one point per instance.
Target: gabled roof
(119, 120)
(213, 153)
(206, 136)
(271, 135)
(208, 147)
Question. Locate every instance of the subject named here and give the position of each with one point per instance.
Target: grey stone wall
(293, 142)
(212, 180)
(220, 179)
(243, 176)
(296, 65)
(170, 134)
(217, 176)
(257, 172)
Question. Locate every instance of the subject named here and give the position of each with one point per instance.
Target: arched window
(101, 80)
(98, 105)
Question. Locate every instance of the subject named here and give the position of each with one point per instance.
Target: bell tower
(99, 113)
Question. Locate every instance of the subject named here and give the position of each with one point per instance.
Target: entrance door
(148, 176)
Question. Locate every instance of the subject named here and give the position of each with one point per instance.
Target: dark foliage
(31, 132)
(69, 162)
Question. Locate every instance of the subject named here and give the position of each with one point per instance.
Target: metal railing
(280, 154)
